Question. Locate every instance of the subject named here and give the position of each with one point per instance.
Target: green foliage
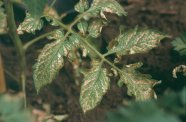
(141, 112)
(11, 110)
(3, 26)
(35, 7)
(165, 109)
(95, 85)
(136, 41)
(139, 85)
(180, 44)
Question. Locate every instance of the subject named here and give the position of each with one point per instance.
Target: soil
(62, 94)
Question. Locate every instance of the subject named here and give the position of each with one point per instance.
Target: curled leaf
(83, 27)
(180, 68)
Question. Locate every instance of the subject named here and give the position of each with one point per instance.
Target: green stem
(18, 45)
(31, 42)
(70, 30)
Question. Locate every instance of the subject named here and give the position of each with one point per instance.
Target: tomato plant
(77, 40)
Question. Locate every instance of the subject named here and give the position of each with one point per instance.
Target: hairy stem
(18, 45)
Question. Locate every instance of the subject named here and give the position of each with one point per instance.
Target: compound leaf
(180, 44)
(3, 25)
(30, 24)
(95, 85)
(139, 85)
(136, 41)
(50, 60)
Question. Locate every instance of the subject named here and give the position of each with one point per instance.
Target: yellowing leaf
(95, 85)
(82, 6)
(136, 41)
(83, 27)
(51, 12)
(139, 85)
(32, 21)
(30, 25)
(50, 60)
(95, 28)
(110, 6)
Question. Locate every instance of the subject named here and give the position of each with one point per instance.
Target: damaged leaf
(95, 85)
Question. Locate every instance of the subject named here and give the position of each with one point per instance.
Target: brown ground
(62, 95)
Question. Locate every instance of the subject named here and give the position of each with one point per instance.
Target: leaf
(182, 94)
(95, 28)
(139, 85)
(180, 44)
(48, 11)
(146, 111)
(173, 102)
(3, 25)
(82, 6)
(110, 6)
(11, 110)
(35, 7)
(136, 41)
(83, 27)
(180, 68)
(95, 85)
(58, 35)
(50, 60)
(32, 21)
(30, 24)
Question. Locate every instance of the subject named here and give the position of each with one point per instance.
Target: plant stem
(18, 45)
(29, 43)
